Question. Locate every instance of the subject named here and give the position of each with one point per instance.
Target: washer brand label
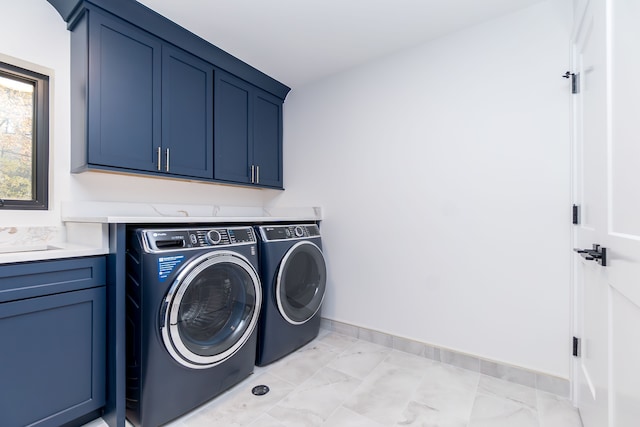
(167, 264)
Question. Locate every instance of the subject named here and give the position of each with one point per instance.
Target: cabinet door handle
(167, 166)
(252, 174)
(159, 159)
(257, 174)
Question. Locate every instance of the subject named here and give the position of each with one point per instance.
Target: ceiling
(298, 41)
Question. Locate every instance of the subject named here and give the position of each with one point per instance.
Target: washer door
(211, 309)
(301, 282)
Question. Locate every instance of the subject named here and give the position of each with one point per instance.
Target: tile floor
(341, 381)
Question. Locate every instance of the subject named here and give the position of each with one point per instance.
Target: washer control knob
(298, 231)
(214, 237)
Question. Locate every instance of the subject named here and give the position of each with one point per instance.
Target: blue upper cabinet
(233, 157)
(187, 111)
(248, 133)
(149, 104)
(124, 89)
(267, 139)
(150, 97)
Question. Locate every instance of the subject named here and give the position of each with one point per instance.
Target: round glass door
(211, 309)
(301, 282)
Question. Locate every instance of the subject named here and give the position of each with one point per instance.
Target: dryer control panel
(288, 232)
(159, 240)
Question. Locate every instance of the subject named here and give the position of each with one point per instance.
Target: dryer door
(211, 309)
(301, 282)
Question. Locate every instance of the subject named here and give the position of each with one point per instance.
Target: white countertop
(115, 219)
(86, 230)
(138, 213)
(53, 251)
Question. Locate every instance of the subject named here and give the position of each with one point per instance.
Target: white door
(623, 213)
(590, 114)
(607, 179)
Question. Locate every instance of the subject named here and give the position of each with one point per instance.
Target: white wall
(443, 172)
(36, 36)
(33, 38)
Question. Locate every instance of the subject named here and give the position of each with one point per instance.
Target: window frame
(40, 153)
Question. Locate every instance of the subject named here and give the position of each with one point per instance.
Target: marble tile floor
(340, 381)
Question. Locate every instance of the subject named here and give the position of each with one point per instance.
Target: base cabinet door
(52, 363)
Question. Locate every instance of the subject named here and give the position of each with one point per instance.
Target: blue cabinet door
(53, 334)
(232, 133)
(187, 114)
(53, 358)
(124, 86)
(267, 139)
(154, 108)
(248, 133)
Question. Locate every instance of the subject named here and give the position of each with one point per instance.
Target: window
(24, 138)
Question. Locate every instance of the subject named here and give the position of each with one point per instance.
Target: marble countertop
(138, 213)
(116, 219)
(52, 251)
(86, 226)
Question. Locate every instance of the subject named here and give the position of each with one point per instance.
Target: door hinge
(575, 81)
(575, 214)
(576, 346)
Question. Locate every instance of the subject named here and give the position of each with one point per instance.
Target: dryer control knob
(214, 237)
(298, 231)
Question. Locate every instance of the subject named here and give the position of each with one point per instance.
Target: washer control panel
(189, 238)
(288, 232)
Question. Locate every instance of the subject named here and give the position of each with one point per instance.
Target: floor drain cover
(259, 390)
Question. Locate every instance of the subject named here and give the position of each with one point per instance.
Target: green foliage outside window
(23, 138)
(16, 139)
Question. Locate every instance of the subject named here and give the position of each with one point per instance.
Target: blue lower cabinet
(52, 363)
